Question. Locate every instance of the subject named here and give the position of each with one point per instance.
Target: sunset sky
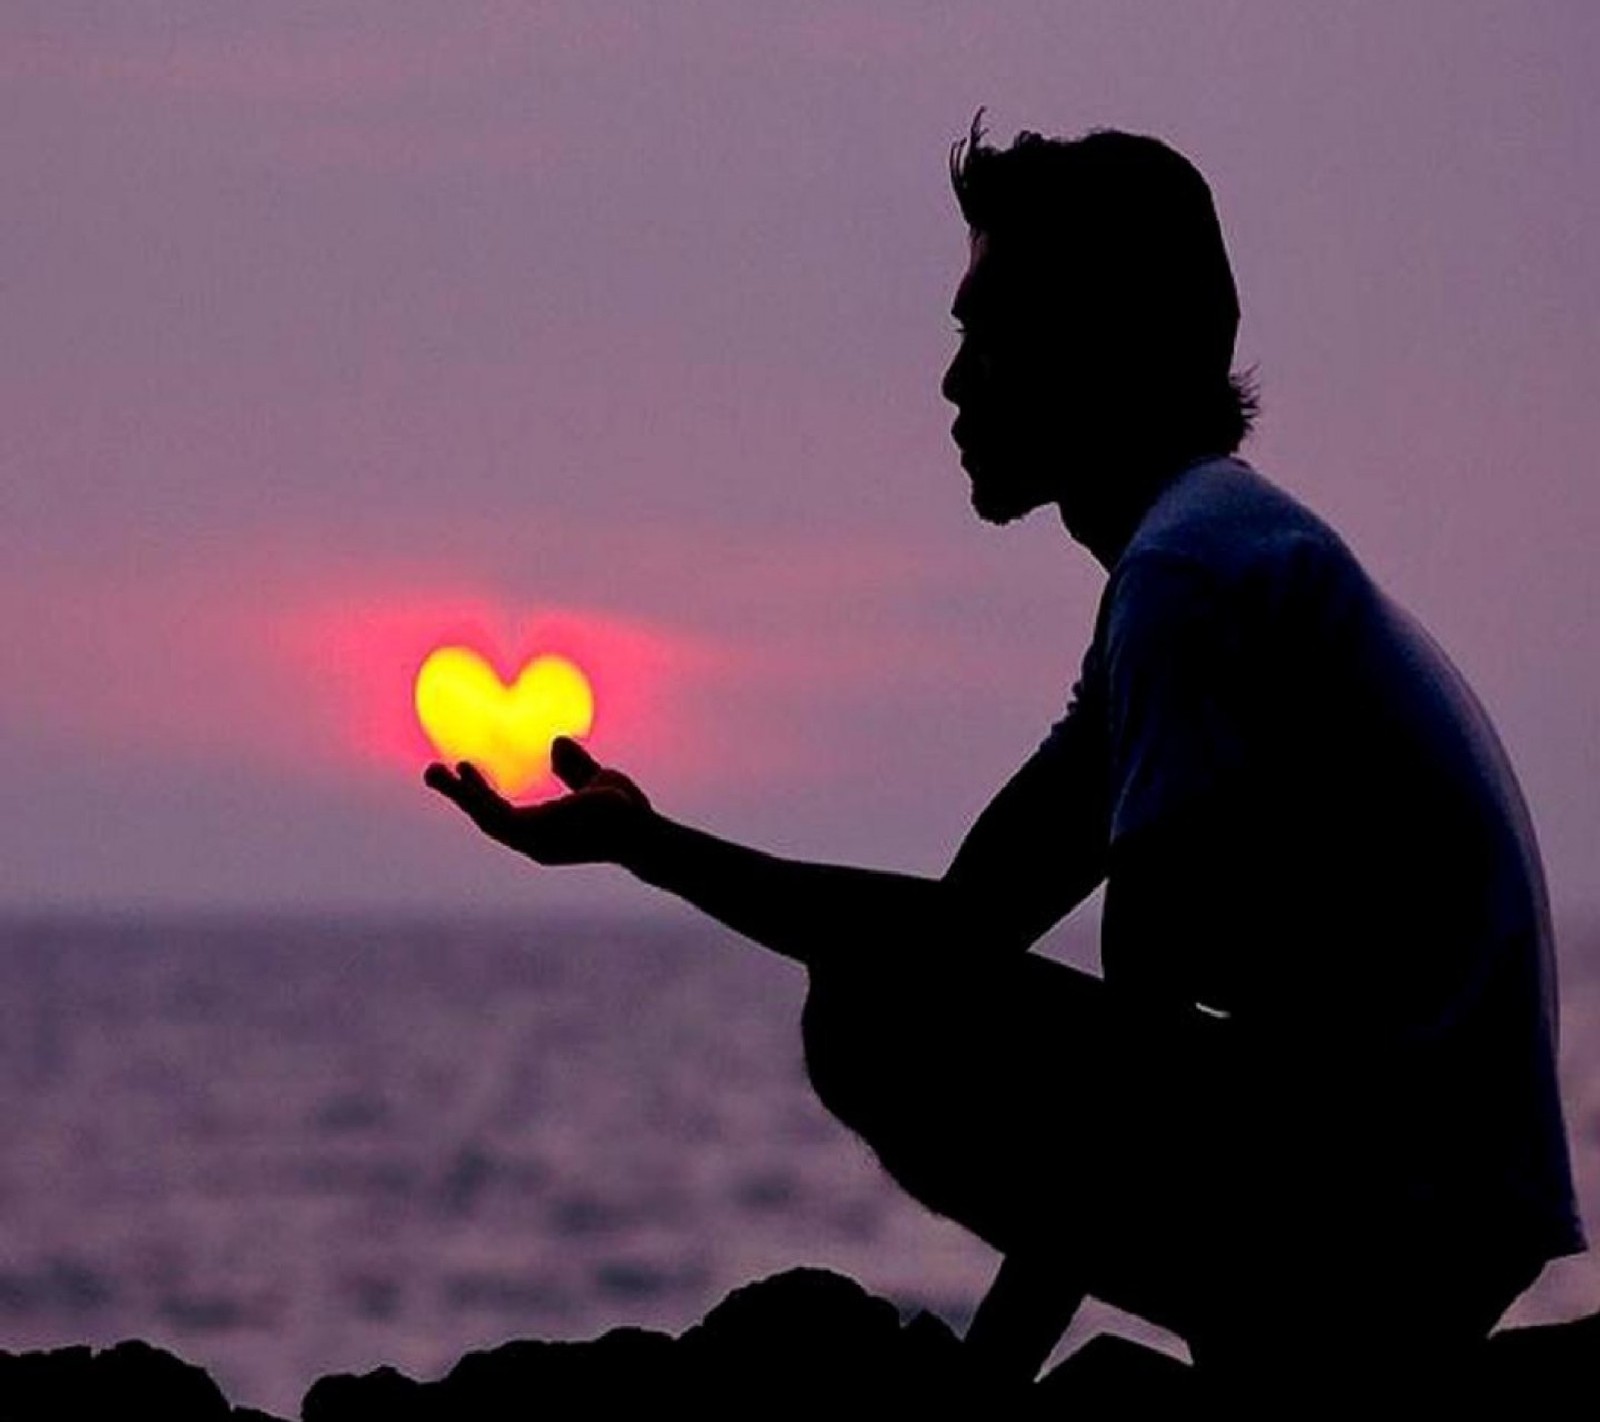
(615, 330)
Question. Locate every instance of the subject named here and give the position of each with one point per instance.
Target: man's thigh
(1029, 1102)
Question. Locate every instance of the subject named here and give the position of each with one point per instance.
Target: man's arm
(1039, 848)
(799, 909)
(1028, 859)
(805, 911)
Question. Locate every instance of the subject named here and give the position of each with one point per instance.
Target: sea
(286, 1146)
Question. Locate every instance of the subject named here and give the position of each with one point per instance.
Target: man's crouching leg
(1022, 1317)
(922, 1061)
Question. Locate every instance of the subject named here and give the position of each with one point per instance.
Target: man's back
(1345, 865)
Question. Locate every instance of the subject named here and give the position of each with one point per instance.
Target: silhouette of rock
(626, 1368)
(384, 1392)
(818, 1340)
(805, 1341)
(133, 1379)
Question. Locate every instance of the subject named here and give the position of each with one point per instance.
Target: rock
(46, 1385)
(807, 1330)
(806, 1341)
(619, 1372)
(384, 1392)
(133, 1379)
(814, 1341)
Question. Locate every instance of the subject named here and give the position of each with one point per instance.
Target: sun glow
(469, 713)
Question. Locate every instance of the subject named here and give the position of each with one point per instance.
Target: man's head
(1098, 317)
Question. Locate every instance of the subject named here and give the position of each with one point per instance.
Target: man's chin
(997, 511)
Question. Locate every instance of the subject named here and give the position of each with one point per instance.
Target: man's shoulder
(1222, 515)
(1224, 540)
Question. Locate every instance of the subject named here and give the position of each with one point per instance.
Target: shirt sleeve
(1177, 690)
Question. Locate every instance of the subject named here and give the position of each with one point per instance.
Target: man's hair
(1118, 232)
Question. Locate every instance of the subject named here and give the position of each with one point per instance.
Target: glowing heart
(470, 714)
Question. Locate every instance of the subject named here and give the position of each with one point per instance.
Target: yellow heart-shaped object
(470, 714)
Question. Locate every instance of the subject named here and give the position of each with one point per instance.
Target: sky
(336, 332)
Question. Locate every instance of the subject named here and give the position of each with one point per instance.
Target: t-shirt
(1351, 871)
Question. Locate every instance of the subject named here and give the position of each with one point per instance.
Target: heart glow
(470, 714)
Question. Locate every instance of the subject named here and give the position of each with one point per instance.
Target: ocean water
(285, 1147)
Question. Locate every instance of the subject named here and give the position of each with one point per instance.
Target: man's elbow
(969, 923)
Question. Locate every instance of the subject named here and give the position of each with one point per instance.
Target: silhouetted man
(1309, 1115)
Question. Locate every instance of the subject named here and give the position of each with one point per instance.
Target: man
(1309, 1115)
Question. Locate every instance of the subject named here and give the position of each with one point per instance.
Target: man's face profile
(1010, 415)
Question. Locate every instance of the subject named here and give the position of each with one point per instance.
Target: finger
(573, 765)
(466, 788)
(475, 794)
(447, 783)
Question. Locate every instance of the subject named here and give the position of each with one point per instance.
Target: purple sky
(335, 327)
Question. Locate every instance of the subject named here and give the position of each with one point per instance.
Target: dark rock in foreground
(806, 1341)
(130, 1379)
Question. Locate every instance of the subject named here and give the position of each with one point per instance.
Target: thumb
(573, 765)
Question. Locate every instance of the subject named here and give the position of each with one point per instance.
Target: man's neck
(1106, 524)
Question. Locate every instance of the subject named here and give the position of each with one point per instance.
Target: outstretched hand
(595, 824)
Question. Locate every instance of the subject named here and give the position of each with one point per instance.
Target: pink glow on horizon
(308, 671)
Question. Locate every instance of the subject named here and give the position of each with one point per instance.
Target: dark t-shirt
(1350, 869)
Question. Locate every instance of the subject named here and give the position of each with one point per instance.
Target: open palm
(593, 824)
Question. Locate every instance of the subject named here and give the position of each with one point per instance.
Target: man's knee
(893, 1054)
(914, 1065)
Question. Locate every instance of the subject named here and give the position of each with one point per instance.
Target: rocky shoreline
(800, 1341)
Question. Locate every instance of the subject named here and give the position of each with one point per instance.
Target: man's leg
(1135, 1157)
(1023, 1315)
(1020, 1101)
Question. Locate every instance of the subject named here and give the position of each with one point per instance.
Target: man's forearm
(802, 910)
